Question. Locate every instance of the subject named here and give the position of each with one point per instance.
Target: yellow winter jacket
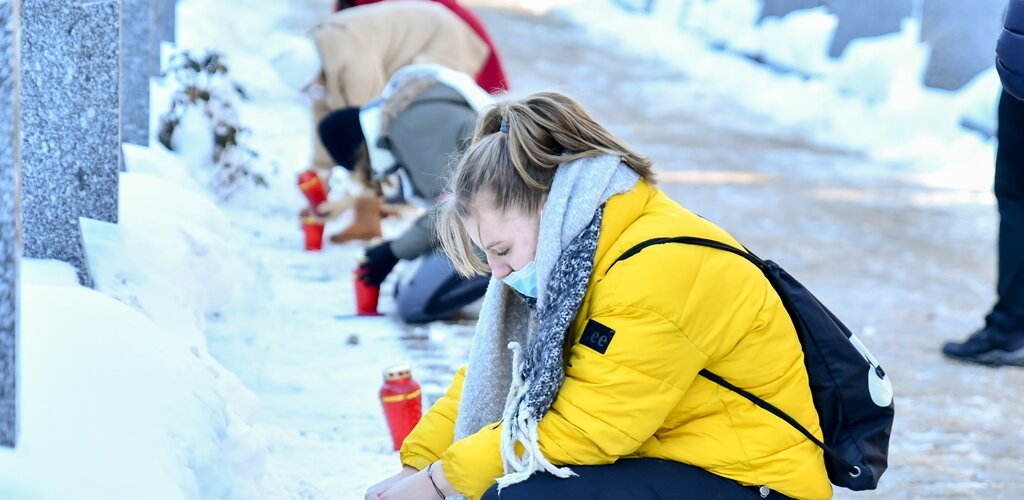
(674, 310)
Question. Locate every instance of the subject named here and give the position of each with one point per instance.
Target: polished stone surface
(779, 8)
(963, 37)
(140, 60)
(70, 123)
(9, 238)
(865, 18)
(165, 20)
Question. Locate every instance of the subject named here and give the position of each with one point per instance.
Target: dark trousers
(1008, 313)
(436, 291)
(630, 479)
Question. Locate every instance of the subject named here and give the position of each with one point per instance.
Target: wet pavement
(905, 266)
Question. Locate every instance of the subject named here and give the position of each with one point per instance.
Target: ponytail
(517, 147)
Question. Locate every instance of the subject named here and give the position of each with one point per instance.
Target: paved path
(905, 266)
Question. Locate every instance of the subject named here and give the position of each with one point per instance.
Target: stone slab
(779, 8)
(963, 38)
(9, 237)
(140, 60)
(166, 19)
(70, 123)
(866, 18)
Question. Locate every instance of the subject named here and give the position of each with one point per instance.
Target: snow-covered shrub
(203, 125)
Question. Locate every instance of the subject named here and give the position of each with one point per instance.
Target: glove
(330, 210)
(378, 263)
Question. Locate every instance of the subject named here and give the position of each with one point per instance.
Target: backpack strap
(693, 240)
(770, 408)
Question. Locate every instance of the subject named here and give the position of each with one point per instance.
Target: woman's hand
(375, 491)
(418, 486)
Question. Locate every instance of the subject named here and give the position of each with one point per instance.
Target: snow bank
(170, 258)
(131, 413)
(188, 229)
(139, 408)
(871, 99)
(800, 40)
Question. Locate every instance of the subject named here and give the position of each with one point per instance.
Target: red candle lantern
(367, 297)
(313, 228)
(403, 404)
(313, 188)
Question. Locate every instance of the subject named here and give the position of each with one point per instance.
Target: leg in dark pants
(1008, 313)
(1001, 341)
(436, 291)
(630, 479)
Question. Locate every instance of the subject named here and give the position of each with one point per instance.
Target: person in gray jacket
(424, 123)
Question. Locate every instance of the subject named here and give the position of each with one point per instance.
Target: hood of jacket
(412, 92)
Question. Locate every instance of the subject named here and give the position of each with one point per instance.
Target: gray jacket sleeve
(419, 239)
(425, 139)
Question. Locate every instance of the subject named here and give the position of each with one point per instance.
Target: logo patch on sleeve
(597, 336)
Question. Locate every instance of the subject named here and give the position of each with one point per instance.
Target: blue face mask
(523, 281)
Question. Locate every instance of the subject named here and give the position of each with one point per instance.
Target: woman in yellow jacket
(583, 376)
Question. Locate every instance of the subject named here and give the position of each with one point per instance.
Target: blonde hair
(516, 149)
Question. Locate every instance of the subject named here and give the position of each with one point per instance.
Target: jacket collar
(620, 212)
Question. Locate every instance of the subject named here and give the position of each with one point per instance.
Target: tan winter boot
(365, 221)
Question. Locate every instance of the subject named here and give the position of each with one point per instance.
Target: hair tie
(504, 126)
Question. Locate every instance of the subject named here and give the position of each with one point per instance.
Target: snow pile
(870, 99)
(138, 407)
(719, 22)
(808, 50)
(170, 258)
(193, 267)
(131, 413)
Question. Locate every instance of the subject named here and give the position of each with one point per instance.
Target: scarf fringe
(521, 428)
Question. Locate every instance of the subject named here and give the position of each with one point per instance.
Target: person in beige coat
(347, 58)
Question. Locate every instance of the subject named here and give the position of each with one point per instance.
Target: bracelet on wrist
(430, 475)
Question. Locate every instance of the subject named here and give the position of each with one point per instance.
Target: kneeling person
(425, 117)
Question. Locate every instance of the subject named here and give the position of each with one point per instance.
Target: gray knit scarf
(505, 382)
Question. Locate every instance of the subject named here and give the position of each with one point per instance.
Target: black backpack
(850, 390)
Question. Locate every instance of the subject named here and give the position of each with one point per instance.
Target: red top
(491, 77)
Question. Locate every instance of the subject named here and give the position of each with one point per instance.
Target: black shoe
(990, 347)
